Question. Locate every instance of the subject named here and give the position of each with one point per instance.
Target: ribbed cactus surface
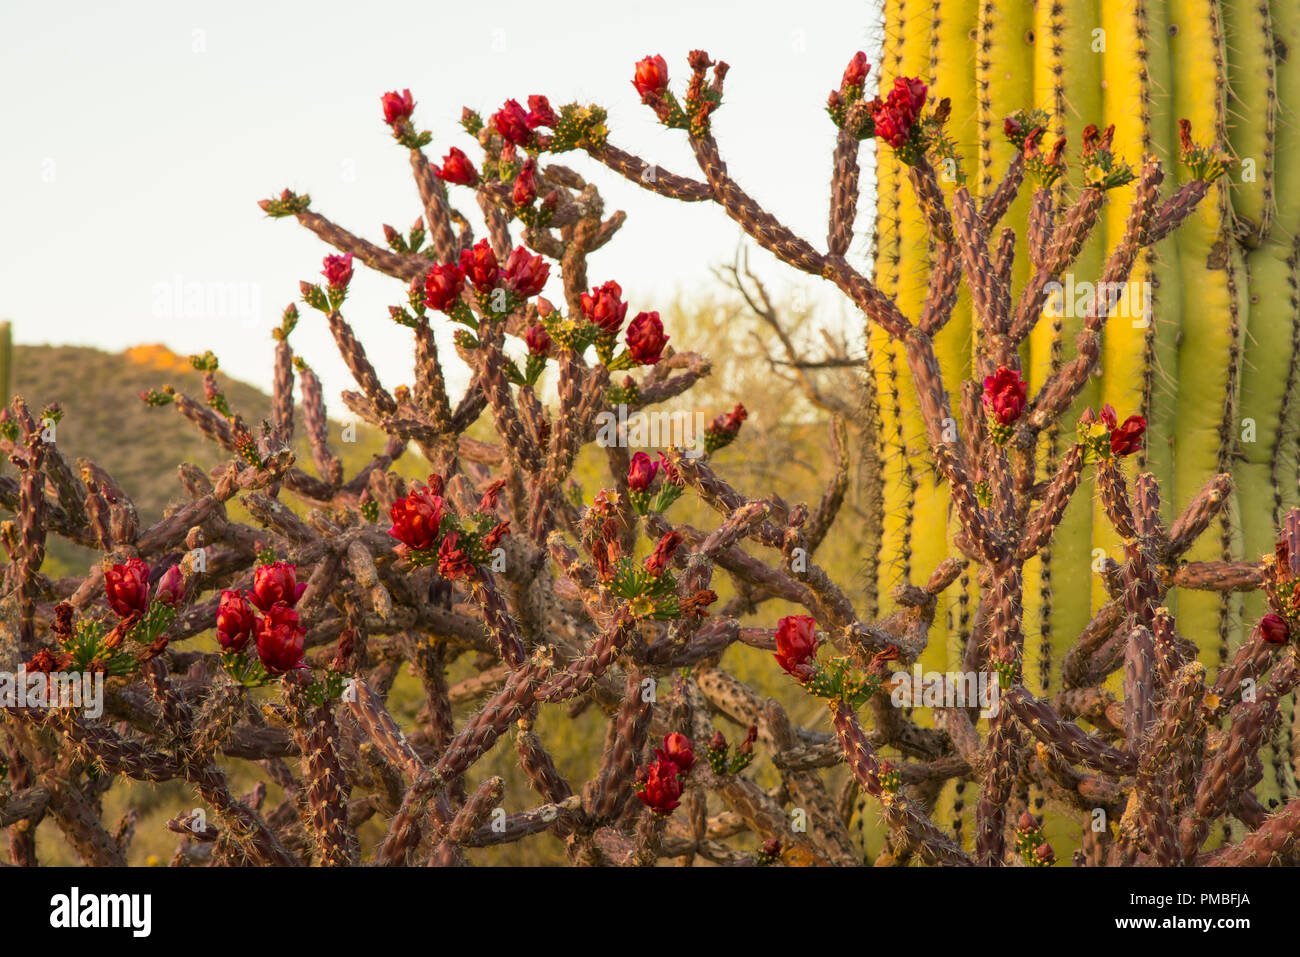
(1204, 342)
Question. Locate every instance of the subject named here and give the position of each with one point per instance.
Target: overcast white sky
(139, 136)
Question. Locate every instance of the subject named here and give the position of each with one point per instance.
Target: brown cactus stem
(377, 258)
(430, 384)
(496, 616)
(917, 830)
(1073, 744)
(1043, 522)
(654, 178)
(1139, 685)
(1218, 576)
(1008, 188)
(1275, 843)
(505, 413)
(765, 229)
(373, 716)
(317, 424)
(327, 786)
(844, 193)
(437, 214)
(987, 294)
(540, 768)
(476, 810)
(1204, 507)
(354, 355)
(1114, 497)
(1169, 752)
(1231, 771)
(627, 738)
(282, 391)
(930, 197)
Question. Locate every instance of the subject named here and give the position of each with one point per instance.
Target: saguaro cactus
(1204, 342)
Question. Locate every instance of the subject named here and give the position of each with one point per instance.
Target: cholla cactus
(571, 596)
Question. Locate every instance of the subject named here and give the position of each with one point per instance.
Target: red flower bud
(442, 287)
(730, 422)
(235, 621)
(456, 168)
(677, 749)
(537, 339)
(1274, 629)
(398, 107)
(651, 76)
(1108, 417)
(641, 472)
(1005, 395)
(898, 112)
(603, 306)
(479, 265)
(338, 271)
(796, 644)
(646, 339)
(280, 640)
(1128, 437)
(525, 273)
(275, 584)
(855, 74)
(665, 548)
(511, 122)
(453, 562)
(540, 112)
(662, 788)
(718, 742)
(493, 538)
(416, 518)
(127, 588)
(171, 587)
(525, 190)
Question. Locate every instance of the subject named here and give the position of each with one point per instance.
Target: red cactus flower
(171, 587)
(645, 338)
(1127, 439)
(479, 265)
(730, 422)
(603, 306)
(898, 112)
(235, 621)
(453, 562)
(1109, 418)
(1005, 394)
(525, 190)
(280, 640)
(442, 287)
(651, 76)
(796, 644)
(416, 518)
(855, 74)
(275, 584)
(497, 532)
(670, 471)
(398, 107)
(525, 273)
(641, 472)
(511, 122)
(1274, 629)
(338, 271)
(537, 339)
(665, 548)
(679, 750)
(127, 588)
(540, 112)
(661, 788)
(456, 168)
(45, 661)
